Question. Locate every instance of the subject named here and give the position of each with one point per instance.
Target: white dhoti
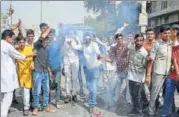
(71, 74)
(6, 100)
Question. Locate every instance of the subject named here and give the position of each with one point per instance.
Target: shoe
(59, 104)
(67, 99)
(140, 113)
(35, 112)
(26, 113)
(49, 110)
(40, 107)
(15, 101)
(82, 93)
(133, 112)
(145, 106)
(74, 98)
(31, 107)
(129, 103)
(160, 105)
(151, 115)
(91, 109)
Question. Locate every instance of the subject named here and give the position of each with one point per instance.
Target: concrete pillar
(143, 16)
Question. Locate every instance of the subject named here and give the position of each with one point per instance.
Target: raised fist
(126, 24)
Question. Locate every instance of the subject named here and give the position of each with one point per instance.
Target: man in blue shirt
(54, 61)
(91, 53)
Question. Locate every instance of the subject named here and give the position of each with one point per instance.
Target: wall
(162, 13)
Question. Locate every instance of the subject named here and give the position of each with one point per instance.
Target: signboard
(143, 19)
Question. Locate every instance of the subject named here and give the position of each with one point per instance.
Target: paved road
(79, 110)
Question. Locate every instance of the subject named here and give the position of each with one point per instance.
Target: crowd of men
(148, 67)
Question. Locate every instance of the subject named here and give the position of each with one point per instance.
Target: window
(164, 5)
(149, 7)
(166, 18)
(154, 6)
(156, 22)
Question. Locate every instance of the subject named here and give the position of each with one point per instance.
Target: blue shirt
(54, 54)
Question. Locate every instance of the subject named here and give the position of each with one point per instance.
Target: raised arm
(16, 55)
(111, 57)
(119, 30)
(76, 44)
(45, 34)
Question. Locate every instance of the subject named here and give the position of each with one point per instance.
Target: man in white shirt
(136, 74)
(92, 64)
(9, 80)
(71, 65)
(159, 66)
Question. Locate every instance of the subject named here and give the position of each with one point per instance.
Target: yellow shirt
(24, 71)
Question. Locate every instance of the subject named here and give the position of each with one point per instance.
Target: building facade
(143, 17)
(162, 12)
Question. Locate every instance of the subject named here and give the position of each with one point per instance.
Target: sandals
(26, 113)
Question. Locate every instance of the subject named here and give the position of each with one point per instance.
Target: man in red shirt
(172, 81)
(150, 39)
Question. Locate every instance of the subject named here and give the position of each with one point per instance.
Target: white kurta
(71, 64)
(90, 55)
(9, 80)
(71, 50)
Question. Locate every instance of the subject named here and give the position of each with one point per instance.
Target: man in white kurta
(9, 80)
(71, 66)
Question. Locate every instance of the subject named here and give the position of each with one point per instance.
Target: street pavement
(80, 109)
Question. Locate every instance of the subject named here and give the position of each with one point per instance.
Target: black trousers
(137, 94)
(31, 96)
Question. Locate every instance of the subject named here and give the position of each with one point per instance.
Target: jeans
(127, 92)
(170, 86)
(41, 79)
(116, 86)
(80, 76)
(26, 98)
(57, 82)
(92, 76)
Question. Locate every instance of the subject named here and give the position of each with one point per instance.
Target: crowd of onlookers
(148, 67)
